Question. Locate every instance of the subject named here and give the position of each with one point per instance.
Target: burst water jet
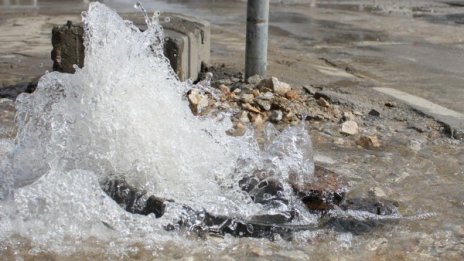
(124, 115)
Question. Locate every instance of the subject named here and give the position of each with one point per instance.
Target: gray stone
(255, 79)
(332, 97)
(350, 128)
(235, 79)
(309, 89)
(374, 113)
(348, 116)
(264, 104)
(266, 96)
(276, 115)
(247, 98)
(250, 108)
(197, 101)
(244, 117)
(275, 85)
(323, 102)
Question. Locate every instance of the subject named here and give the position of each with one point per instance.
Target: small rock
(275, 85)
(323, 102)
(256, 119)
(247, 98)
(329, 131)
(234, 79)
(350, 128)
(249, 107)
(264, 104)
(232, 97)
(377, 192)
(390, 104)
(237, 90)
(309, 89)
(255, 79)
(369, 142)
(197, 101)
(255, 92)
(374, 113)
(224, 89)
(238, 130)
(266, 96)
(248, 88)
(332, 97)
(348, 116)
(322, 195)
(290, 117)
(292, 95)
(244, 117)
(276, 115)
(357, 113)
(225, 81)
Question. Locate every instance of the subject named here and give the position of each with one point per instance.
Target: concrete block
(176, 49)
(187, 44)
(199, 34)
(68, 47)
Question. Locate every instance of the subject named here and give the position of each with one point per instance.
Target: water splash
(124, 114)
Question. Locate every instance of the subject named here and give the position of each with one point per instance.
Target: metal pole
(256, 37)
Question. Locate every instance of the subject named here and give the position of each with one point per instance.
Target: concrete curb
(453, 120)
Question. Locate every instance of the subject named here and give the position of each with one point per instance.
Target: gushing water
(124, 115)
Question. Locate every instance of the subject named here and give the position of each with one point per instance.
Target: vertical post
(256, 37)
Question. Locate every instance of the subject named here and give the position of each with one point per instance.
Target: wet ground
(345, 46)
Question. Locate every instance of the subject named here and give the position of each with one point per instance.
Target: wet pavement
(348, 46)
